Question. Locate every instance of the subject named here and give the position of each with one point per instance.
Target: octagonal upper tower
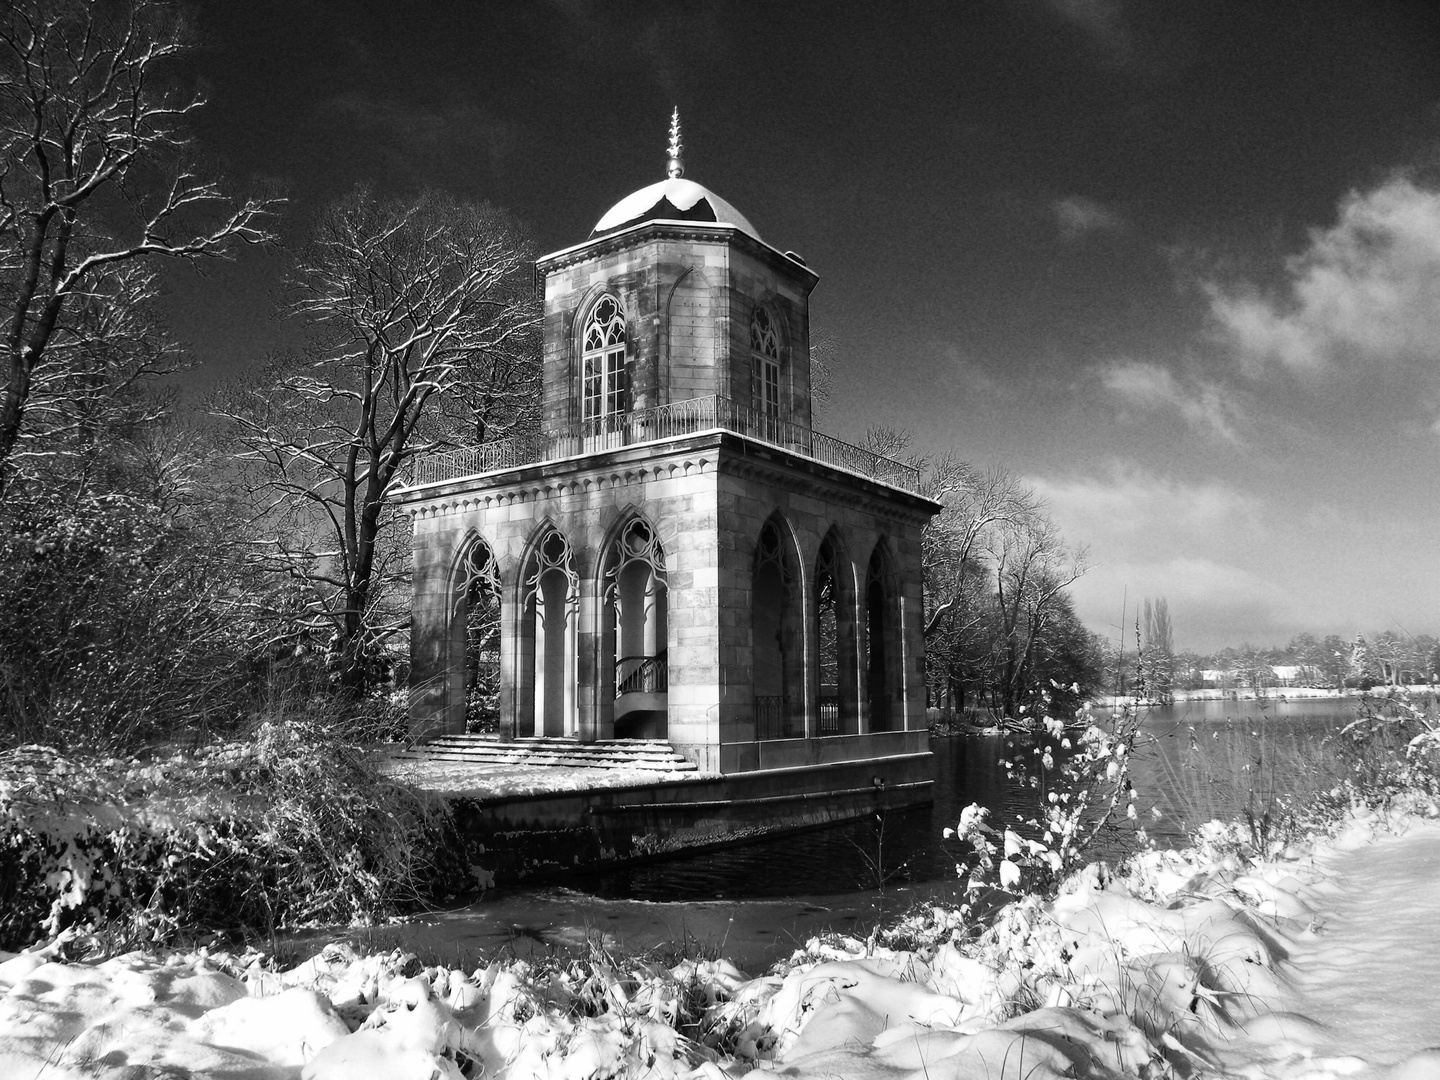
(674, 296)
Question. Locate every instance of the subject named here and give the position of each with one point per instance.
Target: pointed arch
(881, 668)
(548, 598)
(777, 634)
(473, 660)
(634, 638)
(837, 690)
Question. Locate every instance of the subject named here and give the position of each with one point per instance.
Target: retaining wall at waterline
(543, 836)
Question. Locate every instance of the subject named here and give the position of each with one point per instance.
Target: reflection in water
(758, 900)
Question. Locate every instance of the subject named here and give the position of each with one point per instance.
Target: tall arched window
(765, 347)
(549, 597)
(834, 635)
(604, 386)
(635, 635)
(477, 619)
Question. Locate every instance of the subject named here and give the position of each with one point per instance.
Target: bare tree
(824, 358)
(425, 335)
(1033, 567)
(94, 187)
(1158, 651)
(974, 503)
(121, 616)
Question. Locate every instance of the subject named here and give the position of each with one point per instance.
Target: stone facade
(688, 293)
(713, 582)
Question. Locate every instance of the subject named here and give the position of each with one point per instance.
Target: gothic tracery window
(637, 544)
(636, 598)
(765, 344)
(604, 384)
(549, 597)
(552, 555)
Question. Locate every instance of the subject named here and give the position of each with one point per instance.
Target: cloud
(1154, 535)
(1205, 407)
(1079, 216)
(1141, 515)
(1213, 603)
(1364, 292)
(967, 377)
(1103, 21)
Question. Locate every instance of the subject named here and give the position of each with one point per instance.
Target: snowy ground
(1320, 963)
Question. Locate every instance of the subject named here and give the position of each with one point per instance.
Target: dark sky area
(1176, 263)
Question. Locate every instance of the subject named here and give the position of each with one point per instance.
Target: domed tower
(677, 554)
(704, 306)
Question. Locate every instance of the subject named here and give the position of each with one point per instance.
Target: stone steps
(654, 755)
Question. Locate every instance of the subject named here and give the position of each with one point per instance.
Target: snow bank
(1207, 961)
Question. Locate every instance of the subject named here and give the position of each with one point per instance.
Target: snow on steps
(653, 755)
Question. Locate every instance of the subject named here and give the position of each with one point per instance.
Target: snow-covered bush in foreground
(1081, 772)
(294, 826)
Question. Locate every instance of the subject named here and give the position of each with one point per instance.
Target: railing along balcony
(642, 675)
(662, 422)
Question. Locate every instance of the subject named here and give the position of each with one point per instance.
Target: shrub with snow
(295, 827)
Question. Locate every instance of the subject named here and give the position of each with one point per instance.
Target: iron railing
(829, 719)
(642, 675)
(662, 422)
(773, 719)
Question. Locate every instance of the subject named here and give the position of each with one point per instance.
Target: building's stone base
(539, 837)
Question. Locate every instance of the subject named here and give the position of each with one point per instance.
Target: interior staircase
(653, 755)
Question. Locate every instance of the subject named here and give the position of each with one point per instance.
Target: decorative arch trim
(603, 333)
(548, 549)
(784, 551)
(633, 539)
(466, 570)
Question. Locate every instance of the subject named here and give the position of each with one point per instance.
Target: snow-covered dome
(674, 199)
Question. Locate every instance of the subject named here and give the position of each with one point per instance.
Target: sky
(1175, 264)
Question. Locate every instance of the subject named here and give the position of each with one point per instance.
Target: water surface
(755, 902)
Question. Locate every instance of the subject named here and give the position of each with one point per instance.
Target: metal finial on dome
(675, 168)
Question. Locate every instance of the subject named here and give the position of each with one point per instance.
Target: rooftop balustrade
(687, 417)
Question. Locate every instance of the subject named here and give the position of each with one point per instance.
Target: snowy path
(1372, 976)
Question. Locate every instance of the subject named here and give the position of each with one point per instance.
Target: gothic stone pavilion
(677, 554)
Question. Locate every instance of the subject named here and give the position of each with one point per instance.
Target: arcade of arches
(824, 647)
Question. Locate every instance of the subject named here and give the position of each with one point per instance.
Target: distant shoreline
(943, 724)
(1272, 693)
